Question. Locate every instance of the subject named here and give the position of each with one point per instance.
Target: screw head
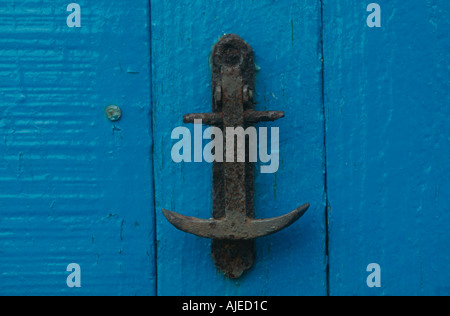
(113, 113)
(247, 94)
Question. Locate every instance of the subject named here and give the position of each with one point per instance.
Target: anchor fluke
(233, 229)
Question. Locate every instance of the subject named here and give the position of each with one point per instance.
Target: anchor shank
(233, 117)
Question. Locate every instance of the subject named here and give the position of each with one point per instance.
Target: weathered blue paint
(78, 188)
(286, 38)
(75, 187)
(387, 101)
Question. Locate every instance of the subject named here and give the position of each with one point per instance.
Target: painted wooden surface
(77, 188)
(286, 38)
(387, 101)
(74, 187)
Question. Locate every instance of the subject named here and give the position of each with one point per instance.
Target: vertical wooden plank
(75, 187)
(286, 38)
(387, 98)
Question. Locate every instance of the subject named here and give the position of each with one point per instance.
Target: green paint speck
(275, 186)
(292, 31)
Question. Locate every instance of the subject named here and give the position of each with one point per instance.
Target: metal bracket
(233, 227)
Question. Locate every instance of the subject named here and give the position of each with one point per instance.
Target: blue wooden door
(388, 148)
(365, 141)
(74, 186)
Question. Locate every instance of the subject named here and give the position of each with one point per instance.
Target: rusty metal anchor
(233, 227)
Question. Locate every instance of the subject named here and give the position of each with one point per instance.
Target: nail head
(113, 113)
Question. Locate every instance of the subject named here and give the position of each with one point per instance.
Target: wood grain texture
(75, 187)
(286, 38)
(387, 101)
